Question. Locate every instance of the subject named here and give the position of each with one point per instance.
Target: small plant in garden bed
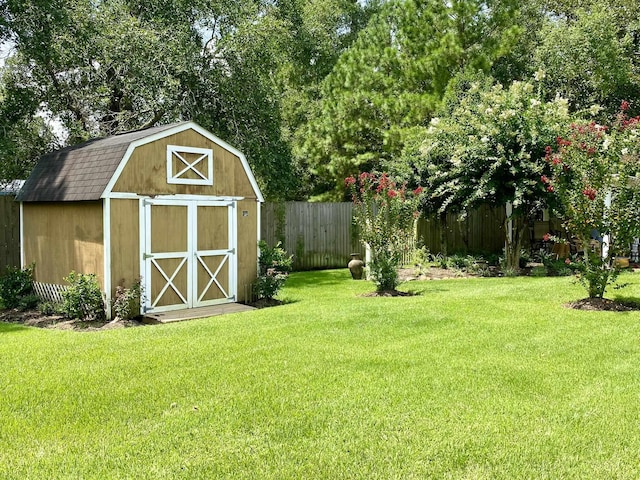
(275, 265)
(16, 288)
(82, 299)
(126, 304)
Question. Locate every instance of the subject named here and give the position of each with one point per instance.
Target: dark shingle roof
(80, 172)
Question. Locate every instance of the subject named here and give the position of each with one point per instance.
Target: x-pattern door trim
(169, 280)
(191, 258)
(213, 277)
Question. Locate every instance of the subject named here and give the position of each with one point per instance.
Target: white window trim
(206, 155)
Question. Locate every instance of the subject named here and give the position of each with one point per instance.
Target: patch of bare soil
(33, 318)
(603, 304)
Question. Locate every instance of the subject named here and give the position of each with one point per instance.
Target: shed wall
(64, 237)
(247, 247)
(146, 170)
(125, 243)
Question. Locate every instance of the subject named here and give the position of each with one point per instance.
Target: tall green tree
(236, 67)
(590, 56)
(393, 78)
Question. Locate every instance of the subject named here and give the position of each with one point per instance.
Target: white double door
(189, 253)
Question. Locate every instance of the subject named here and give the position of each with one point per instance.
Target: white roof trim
(172, 131)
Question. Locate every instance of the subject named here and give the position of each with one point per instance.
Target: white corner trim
(259, 222)
(172, 131)
(22, 256)
(142, 238)
(106, 242)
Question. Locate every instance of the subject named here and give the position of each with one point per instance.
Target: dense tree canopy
(98, 68)
(393, 78)
(311, 90)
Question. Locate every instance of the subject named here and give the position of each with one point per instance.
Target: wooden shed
(173, 205)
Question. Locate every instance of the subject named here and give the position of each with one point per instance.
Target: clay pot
(356, 266)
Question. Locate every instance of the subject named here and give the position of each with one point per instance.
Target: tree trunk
(443, 233)
(514, 245)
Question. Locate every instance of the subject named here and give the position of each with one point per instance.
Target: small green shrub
(539, 271)
(510, 272)
(420, 259)
(48, 308)
(126, 304)
(384, 272)
(28, 302)
(83, 298)
(16, 284)
(275, 265)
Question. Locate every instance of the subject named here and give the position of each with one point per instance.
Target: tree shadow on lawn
(11, 327)
(314, 278)
(619, 304)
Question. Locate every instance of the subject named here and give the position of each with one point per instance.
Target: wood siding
(64, 237)
(9, 232)
(247, 247)
(146, 170)
(125, 243)
(320, 235)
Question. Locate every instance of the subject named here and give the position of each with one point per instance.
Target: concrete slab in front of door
(193, 313)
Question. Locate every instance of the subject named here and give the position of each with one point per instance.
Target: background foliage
(311, 91)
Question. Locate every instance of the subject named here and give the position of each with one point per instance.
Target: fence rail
(321, 235)
(9, 232)
(318, 235)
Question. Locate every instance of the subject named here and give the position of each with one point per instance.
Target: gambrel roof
(83, 172)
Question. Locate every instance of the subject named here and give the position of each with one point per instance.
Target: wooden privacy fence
(318, 235)
(9, 232)
(321, 235)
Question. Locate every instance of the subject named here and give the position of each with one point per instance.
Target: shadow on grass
(319, 278)
(11, 327)
(630, 301)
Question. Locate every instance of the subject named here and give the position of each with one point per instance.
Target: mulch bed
(388, 293)
(33, 318)
(603, 304)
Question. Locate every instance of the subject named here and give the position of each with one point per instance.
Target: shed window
(189, 165)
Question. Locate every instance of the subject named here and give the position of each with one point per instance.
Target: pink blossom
(349, 181)
(392, 193)
(417, 191)
(590, 193)
(624, 106)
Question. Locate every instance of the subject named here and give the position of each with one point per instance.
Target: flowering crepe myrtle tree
(594, 183)
(488, 147)
(385, 214)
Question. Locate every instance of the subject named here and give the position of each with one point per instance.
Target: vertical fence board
(319, 235)
(9, 232)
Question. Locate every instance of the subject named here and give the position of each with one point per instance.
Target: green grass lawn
(475, 378)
